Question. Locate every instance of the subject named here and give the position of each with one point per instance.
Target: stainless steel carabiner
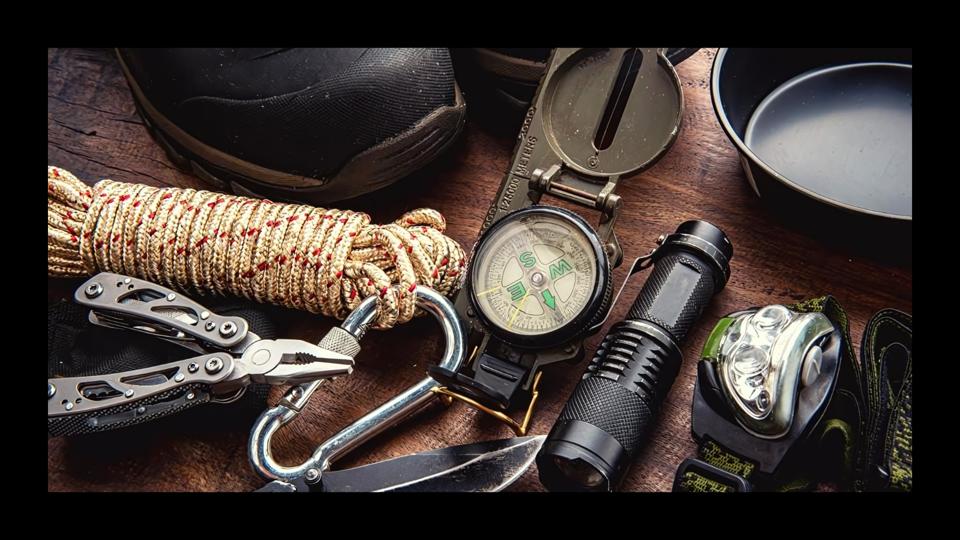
(400, 407)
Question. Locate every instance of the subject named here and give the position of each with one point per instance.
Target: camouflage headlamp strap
(726, 471)
(870, 419)
(885, 459)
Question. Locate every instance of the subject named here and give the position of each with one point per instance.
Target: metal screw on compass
(607, 418)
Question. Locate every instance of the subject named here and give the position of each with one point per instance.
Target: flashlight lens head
(579, 472)
(578, 456)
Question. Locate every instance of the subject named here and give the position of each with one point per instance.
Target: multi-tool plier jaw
(231, 357)
(289, 361)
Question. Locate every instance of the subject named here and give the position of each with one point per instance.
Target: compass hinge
(572, 188)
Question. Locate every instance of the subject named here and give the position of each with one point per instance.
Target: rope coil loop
(304, 257)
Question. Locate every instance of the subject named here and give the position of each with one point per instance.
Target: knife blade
(484, 466)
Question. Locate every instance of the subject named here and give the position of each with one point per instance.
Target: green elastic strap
(839, 438)
(839, 430)
(870, 421)
(900, 453)
(722, 458)
(885, 457)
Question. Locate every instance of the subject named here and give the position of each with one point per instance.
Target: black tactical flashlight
(605, 421)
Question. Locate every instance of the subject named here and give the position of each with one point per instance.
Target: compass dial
(536, 272)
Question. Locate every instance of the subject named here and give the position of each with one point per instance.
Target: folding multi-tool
(230, 357)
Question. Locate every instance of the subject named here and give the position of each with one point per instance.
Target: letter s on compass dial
(539, 277)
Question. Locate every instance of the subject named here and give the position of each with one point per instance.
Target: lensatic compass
(540, 278)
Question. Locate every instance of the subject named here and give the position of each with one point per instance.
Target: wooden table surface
(94, 132)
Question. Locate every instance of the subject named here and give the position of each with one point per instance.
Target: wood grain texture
(94, 132)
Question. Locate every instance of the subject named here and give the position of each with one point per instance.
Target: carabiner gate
(392, 412)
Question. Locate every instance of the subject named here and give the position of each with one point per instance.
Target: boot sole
(374, 168)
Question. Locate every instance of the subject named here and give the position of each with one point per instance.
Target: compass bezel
(579, 324)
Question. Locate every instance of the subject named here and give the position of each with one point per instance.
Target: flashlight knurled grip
(641, 365)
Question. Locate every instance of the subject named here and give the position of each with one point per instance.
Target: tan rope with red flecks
(319, 260)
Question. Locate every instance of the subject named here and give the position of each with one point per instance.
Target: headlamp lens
(745, 353)
(766, 358)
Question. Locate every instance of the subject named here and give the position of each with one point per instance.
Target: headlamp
(765, 381)
(765, 357)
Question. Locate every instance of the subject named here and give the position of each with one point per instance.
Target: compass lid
(611, 112)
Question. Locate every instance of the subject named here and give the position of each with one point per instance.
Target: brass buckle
(520, 428)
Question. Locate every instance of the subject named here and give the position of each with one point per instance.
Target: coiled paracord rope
(319, 260)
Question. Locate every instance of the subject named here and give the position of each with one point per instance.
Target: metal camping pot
(825, 137)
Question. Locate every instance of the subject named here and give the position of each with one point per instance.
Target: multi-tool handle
(125, 302)
(78, 405)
